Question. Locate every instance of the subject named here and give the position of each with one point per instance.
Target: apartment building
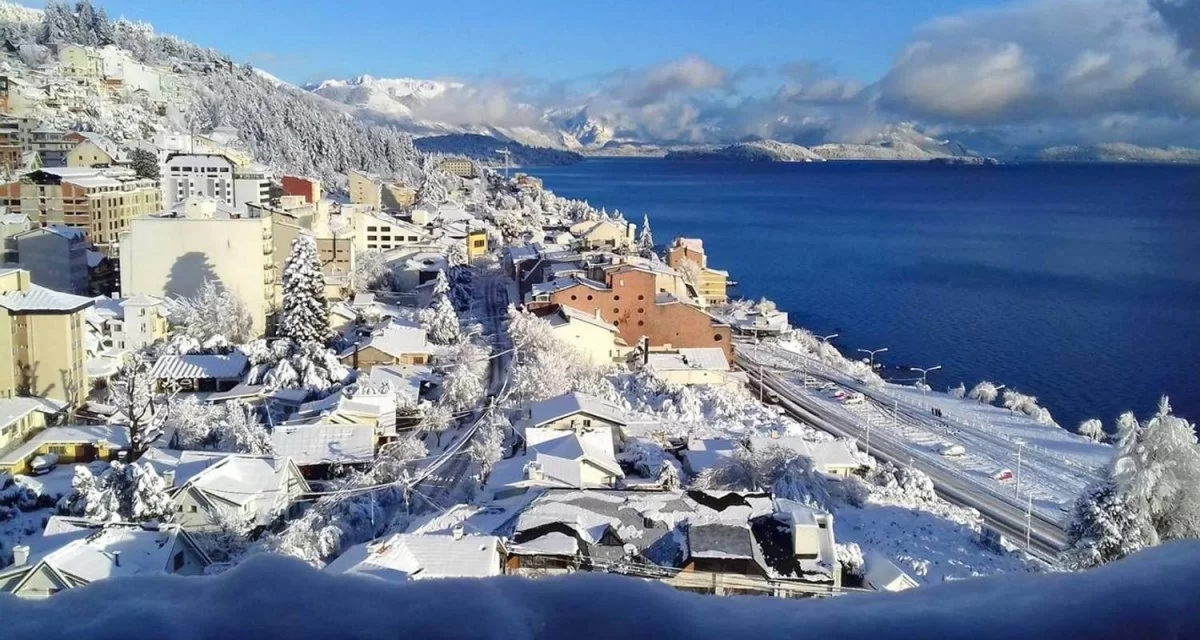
(377, 231)
(174, 252)
(100, 202)
(80, 62)
(51, 146)
(55, 257)
(631, 301)
(714, 283)
(198, 175)
(43, 347)
(333, 235)
(460, 167)
(372, 191)
(251, 185)
(305, 187)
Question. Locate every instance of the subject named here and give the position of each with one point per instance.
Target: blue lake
(1079, 284)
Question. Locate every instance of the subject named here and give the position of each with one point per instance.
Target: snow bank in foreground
(1150, 595)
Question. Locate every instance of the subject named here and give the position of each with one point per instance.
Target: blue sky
(306, 40)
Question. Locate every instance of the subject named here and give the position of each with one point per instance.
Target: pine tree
(144, 163)
(305, 316)
(646, 239)
(440, 319)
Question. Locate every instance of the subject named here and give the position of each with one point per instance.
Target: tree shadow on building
(189, 273)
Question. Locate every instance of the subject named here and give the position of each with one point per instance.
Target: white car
(44, 463)
(854, 398)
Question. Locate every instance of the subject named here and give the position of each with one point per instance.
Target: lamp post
(872, 352)
(924, 374)
(1020, 446)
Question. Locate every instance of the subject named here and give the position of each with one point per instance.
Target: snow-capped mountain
(754, 151)
(580, 129)
(392, 97)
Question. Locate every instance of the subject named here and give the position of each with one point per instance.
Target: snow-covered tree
(646, 238)
(131, 393)
(305, 316)
(123, 492)
(1093, 429)
(213, 312)
(284, 364)
(144, 163)
(227, 427)
(466, 382)
(1015, 401)
(435, 418)
(985, 392)
(487, 446)
(1152, 492)
(228, 539)
(547, 366)
(786, 473)
(958, 392)
(371, 271)
(691, 271)
(440, 320)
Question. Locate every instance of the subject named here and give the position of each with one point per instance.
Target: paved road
(1047, 538)
(445, 474)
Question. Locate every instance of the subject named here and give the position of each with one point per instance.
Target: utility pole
(1020, 446)
(1028, 520)
(869, 421)
(762, 382)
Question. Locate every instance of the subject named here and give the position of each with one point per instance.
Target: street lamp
(1020, 446)
(873, 352)
(827, 338)
(924, 373)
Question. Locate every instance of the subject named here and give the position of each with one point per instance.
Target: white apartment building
(376, 231)
(198, 175)
(173, 253)
(251, 185)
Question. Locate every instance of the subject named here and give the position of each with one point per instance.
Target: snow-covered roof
(38, 298)
(94, 258)
(13, 409)
(313, 444)
(405, 379)
(704, 453)
(238, 479)
(14, 218)
(403, 557)
(222, 367)
(882, 574)
(145, 549)
(563, 315)
(570, 404)
(561, 454)
(107, 145)
(397, 338)
(114, 437)
(707, 358)
(826, 455)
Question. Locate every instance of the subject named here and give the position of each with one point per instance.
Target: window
(616, 298)
(641, 323)
(641, 310)
(178, 561)
(589, 296)
(717, 338)
(574, 297)
(641, 297)
(370, 229)
(616, 310)
(587, 422)
(192, 508)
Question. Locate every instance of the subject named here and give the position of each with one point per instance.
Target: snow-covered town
(239, 322)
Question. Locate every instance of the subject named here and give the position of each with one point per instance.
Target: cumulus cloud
(1074, 59)
(674, 78)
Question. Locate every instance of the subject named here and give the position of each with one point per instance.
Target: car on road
(1003, 474)
(44, 463)
(951, 450)
(854, 398)
(839, 394)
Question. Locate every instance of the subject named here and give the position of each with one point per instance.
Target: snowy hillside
(392, 97)
(579, 129)
(757, 151)
(1119, 152)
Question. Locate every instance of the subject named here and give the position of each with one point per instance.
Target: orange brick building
(310, 188)
(630, 300)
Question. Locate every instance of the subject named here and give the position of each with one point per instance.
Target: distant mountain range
(421, 107)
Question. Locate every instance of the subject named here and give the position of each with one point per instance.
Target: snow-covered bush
(229, 539)
(305, 316)
(850, 557)
(1092, 429)
(985, 392)
(958, 392)
(229, 427)
(783, 472)
(371, 271)
(15, 497)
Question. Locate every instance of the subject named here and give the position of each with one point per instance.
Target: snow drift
(1150, 595)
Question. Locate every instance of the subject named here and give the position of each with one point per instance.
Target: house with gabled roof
(200, 372)
(402, 557)
(210, 487)
(397, 342)
(596, 338)
(572, 411)
(110, 550)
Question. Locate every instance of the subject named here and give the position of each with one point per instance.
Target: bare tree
(132, 394)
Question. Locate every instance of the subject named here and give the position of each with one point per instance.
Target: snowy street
(896, 423)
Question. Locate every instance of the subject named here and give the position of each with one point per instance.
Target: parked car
(839, 394)
(854, 398)
(44, 464)
(1003, 474)
(950, 449)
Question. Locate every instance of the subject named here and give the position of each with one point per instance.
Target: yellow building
(477, 243)
(80, 62)
(21, 418)
(78, 443)
(714, 283)
(173, 253)
(334, 237)
(94, 150)
(460, 167)
(366, 189)
(43, 346)
(101, 202)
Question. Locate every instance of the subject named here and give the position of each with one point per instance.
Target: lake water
(1079, 284)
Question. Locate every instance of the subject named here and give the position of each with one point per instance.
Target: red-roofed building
(308, 188)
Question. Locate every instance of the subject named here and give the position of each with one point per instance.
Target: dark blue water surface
(1079, 284)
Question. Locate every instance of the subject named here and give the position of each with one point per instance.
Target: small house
(403, 557)
(200, 372)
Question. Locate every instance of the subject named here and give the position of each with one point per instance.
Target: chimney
(117, 558)
(20, 555)
(458, 532)
(168, 477)
(645, 350)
